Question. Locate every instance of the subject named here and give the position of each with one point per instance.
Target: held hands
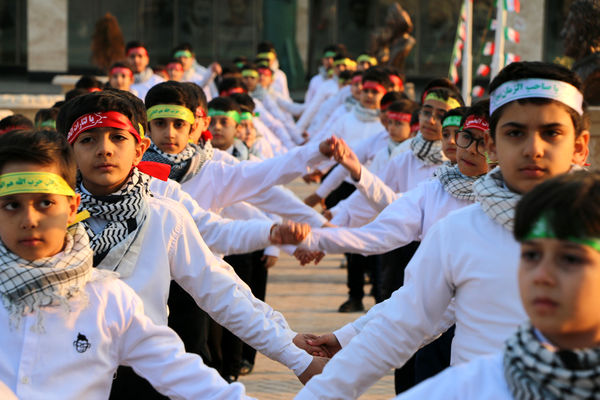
(314, 368)
(269, 261)
(346, 157)
(327, 146)
(314, 176)
(327, 341)
(306, 256)
(301, 340)
(313, 200)
(289, 232)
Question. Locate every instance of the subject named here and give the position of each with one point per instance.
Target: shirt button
(25, 380)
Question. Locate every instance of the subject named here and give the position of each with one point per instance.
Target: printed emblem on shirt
(81, 344)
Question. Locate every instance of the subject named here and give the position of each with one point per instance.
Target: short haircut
(245, 101)
(540, 70)
(88, 82)
(265, 47)
(479, 109)
(591, 88)
(71, 94)
(446, 94)
(403, 106)
(170, 92)
(107, 100)
(377, 74)
(133, 44)
(45, 114)
(230, 69)
(45, 147)
(16, 121)
(197, 93)
(224, 104)
(439, 83)
(345, 75)
(456, 112)
(184, 46)
(357, 73)
(121, 64)
(391, 97)
(240, 59)
(568, 202)
(232, 83)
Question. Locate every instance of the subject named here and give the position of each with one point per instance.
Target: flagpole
(498, 57)
(467, 67)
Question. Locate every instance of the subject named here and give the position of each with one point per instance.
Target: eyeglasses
(427, 114)
(464, 140)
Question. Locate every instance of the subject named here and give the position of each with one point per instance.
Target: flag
(478, 91)
(483, 70)
(488, 49)
(493, 24)
(453, 74)
(512, 35)
(462, 31)
(512, 5)
(510, 58)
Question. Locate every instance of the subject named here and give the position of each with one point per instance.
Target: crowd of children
(140, 219)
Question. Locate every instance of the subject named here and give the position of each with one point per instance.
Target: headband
(108, 119)
(246, 115)
(269, 55)
(450, 101)
(175, 66)
(536, 87)
(94, 89)
(367, 58)
(265, 71)
(139, 49)
(542, 230)
(200, 113)
(239, 64)
(50, 123)
(250, 73)
(357, 79)
(476, 122)
(231, 114)
(399, 116)
(170, 111)
(34, 182)
(374, 85)
(343, 61)
(123, 70)
(329, 54)
(397, 81)
(453, 120)
(183, 53)
(231, 91)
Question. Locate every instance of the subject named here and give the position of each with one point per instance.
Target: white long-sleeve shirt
(407, 219)
(77, 354)
(466, 256)
(327, 89)
(328, 107)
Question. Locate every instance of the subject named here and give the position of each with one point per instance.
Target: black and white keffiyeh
(455, 183)
(350, 102)
(26, 286)
(428, 151)
(184, 165)
(533, 370)
(240, 150)
(125, 211)
(366, 114)
(496, 200)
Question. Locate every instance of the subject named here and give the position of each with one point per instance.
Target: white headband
(534, 87)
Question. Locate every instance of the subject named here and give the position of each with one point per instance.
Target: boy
(280, 84)
(78, 322)
(14, 123)
(555, 354)
(194, 72)
(144, 76)
(535, 134)
(175, 70)
(46, 118)
(120, 76)
(153, 240)
(450, 125)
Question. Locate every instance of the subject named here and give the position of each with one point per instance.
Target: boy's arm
(395, 333)
(156, 353)
(353, 211)
(220, 292)
(375, 190)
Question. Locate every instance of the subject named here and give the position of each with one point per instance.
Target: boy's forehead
(435, 105)
(25, 166)
(535, 115)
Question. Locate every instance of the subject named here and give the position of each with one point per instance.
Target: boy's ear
(194, 126)
(73, 207)
(490, 147)
(140, 149)
(582, 150)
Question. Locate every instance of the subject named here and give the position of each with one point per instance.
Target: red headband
(475, 122)
(175, 66)
(94, 89)
(265, 71)
(123, 70)
(200, 113)
(374, 86)
(14, 128)
(397, 81)
(231, 91)
(399, 116)
(109, 119)
(138, 49)
(357, 79)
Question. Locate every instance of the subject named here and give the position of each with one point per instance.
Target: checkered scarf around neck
(496, 200)
(350, 102)
(428, 151)
(366, 114)
(455, 183)
(535, 371)
(125, 211)
(27, 286)
(184, 165)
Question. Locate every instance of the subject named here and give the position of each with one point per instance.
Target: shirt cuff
(295, 358)
(345, 334)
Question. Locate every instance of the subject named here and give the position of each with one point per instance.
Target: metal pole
(467, 61)
(498, 57)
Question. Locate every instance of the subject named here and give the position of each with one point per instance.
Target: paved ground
(309, 298)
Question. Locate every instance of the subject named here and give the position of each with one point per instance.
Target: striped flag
(510, 58)
(488, 49)
(453, 74)
(512, 5)
(512, 35)
(493, 24)
(478, 91)
(483, 70)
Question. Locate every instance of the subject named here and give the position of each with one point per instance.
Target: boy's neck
(99, 190)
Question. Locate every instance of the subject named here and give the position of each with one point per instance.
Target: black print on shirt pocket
(81, 344)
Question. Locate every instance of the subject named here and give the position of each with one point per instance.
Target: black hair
(345, 75)
(174, 61)
(45, 114)
(340, 56)
(224, 104)
(230, 83)
(184, 46)
(71, 94)
(133, 44)
(445, 94)
(357, 73)
(591, 88)
(404, 106)
(542, 70)
(240, 59)
(480, 109)
(39, 146)
(265, 47)
(88, 82)
(107, 100)
(569, 202)
(249, 66)
(121, 64)
(376, 74)
(196, 93)
(170, 92)
(455, 112)
(391, 97)
(439, 83)
(58, 104)
(263, 63)
(18, 121)
(245, 101)
(230, 69)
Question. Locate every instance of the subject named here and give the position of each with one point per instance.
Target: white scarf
(496, 200)
(366, 114)
(428, 151)
(455, 183)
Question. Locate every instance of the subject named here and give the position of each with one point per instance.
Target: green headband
(453, 120)
(183, 53)
(170, 111)
(231, 114)
(269, 55)
(246, 115)
(47, 124)
(367, 58)
(329, 54)
(452, 102)
(542, 230)
(249, 73)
